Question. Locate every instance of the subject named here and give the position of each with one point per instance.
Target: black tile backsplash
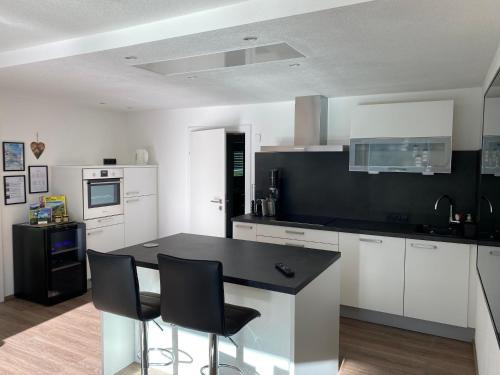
(320, 184)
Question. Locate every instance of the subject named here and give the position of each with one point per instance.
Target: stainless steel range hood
(311, 127)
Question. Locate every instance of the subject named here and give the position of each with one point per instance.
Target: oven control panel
(98, 173)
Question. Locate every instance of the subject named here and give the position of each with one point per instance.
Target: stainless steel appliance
(102, 192)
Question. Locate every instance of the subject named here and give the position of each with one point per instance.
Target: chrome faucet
(485, 198)
(451, 219)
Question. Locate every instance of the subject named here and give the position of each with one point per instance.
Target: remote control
(284, 269)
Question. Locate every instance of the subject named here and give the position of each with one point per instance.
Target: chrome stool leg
(213, 354)
(145, 350)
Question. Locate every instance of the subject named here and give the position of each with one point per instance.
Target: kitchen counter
(361, 227)
(244, 263)
(488, 267)
(277, 342)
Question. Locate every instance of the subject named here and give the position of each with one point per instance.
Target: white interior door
(208, 182)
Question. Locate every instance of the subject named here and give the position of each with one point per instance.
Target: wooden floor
(65, 339)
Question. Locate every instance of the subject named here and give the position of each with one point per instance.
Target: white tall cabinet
(140, 204)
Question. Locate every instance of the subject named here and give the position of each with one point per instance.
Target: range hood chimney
(311, 127)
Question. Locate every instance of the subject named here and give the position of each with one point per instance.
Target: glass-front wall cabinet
(427, 155)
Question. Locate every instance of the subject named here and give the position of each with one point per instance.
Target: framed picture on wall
(14, 189)
(13, 156)
(38, 176)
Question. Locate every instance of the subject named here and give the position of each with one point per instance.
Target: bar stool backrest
(115, 288)
(192, 293)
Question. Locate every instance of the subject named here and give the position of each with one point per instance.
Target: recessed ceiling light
(130, 57)
(250, 38)
(296, 65)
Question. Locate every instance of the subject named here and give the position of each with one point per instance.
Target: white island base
(296, 334)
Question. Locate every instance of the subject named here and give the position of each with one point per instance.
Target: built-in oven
(102, 192)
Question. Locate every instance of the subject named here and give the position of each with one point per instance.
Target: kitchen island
(298, 332)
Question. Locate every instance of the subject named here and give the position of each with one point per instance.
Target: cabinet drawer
(245, 231)
(104, 221)
(298, 243)
(437, 281)
(301, 234)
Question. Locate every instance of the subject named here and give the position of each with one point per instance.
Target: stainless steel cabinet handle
(422, 246)
(216, 200)
(243, 226)
(370, 240)
(294, 232)
(294, 244)
(95, 232)
(132, 200)
(105, 220)
(495, 253)
(132, 192)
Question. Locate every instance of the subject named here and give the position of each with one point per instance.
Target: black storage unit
(49, 262)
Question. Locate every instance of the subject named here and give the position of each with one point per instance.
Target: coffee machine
(268, 206)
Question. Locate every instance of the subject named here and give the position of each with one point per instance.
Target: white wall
(71, 134)
(492, 71)
(165, 134)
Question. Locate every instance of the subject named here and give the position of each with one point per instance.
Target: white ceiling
(25, 23)
(376, 47)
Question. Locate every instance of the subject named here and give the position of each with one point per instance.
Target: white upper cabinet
(402, 137)
(140, 181)
(403, 120)
(437, 281)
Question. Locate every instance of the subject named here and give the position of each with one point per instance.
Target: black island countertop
(244, 262)
(358, 226)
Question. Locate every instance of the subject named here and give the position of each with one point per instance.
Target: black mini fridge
(49, 262)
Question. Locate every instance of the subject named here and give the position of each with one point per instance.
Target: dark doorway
(235, 179)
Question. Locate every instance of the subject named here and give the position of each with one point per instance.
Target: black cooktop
(304, 219)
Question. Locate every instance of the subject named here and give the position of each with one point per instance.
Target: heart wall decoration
(37, 147)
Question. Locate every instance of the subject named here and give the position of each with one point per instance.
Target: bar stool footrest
(222, 365)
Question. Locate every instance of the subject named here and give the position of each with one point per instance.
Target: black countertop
(488, 266)
(244, 262)
(361, 227)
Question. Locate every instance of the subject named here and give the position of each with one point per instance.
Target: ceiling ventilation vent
(220, 60)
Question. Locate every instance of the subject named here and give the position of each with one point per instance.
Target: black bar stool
(115, 289)
(192, 296)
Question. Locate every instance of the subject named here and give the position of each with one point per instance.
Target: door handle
(95, 232)
(495, 253)
(216, 200)
(132, 200)
(423, 246)
(370, 240)
(132, 192)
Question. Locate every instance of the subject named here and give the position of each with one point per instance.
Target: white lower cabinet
(105, 239)
(245, 231)
(486, 344)
(372, 274)
(380, 273)
(437, 281)
(298, 243)
(141, 219)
